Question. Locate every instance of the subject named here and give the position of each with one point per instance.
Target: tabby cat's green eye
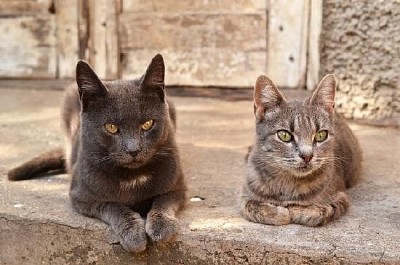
(321, 136)
(285, 135)
(147, 125)
(111, 128)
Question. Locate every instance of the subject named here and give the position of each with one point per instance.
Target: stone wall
(360, 43)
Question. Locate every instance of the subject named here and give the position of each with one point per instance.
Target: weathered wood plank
(24, 7)
(103, 40)
(97, 36)
(83, 29)
(67, 37)
(216, 6)
(195, 30)
(28, 47)
(201, 48)
(200, 66)
(314, 48)
(287, 42)
(112, 44)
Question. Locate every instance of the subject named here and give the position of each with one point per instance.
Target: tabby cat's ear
(266, 96)
(89, 85)
(324, 94)
(153, 80)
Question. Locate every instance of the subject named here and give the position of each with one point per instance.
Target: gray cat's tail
(53, 160)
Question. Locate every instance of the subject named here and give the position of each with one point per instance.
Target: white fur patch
(131, 184)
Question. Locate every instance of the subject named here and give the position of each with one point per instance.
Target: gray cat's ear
(89, 85)
(153, 79)
(266, 96)
(324, 94)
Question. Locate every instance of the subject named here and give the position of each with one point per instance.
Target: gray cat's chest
(133, 189)
(134, 184)
(120, 189)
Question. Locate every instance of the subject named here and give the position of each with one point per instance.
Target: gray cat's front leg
(264, 213)
(161, 224)
(127, 224)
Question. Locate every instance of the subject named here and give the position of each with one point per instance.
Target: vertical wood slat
(103, 38)
(313, 60)
(83, 28)
(67, 37)
(287, 42)
(112, 43)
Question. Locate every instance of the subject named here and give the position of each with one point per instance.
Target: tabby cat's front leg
(317, 215)
(265, 213)
(161, 223)
(128, 225)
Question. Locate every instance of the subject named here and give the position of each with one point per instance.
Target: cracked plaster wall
(360, 43)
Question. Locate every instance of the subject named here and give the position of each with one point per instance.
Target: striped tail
(44, 163)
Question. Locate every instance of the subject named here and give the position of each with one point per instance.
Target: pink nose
(306, 158)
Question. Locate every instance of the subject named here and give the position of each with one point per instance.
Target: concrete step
(38, 226)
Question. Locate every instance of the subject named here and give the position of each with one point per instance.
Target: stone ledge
(37, 224)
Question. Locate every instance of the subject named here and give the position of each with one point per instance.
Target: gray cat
(303, 160)
(122, 155)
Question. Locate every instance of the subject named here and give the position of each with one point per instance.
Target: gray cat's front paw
(133, 237)
(161, 227)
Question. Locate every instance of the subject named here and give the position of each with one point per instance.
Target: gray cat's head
(294, 138)
(123, 122)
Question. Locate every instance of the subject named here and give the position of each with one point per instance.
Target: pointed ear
(89, 85)
(266, 96)
(324, 94)
(153, 79)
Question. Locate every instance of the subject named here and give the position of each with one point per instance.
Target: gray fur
(301, 181)
(122, 178)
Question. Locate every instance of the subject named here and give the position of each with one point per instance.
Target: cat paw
(133, 237)
(266, 213)
(311, 215)
(282, 216)
(161, 227)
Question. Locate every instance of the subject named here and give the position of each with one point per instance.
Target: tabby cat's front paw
(133, 237)
(161, 227)
(311, 215)
(265, 213)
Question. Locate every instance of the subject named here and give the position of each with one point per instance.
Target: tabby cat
(303, 159)
(122, 155)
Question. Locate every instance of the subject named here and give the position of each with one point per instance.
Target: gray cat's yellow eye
(321, 136)
(111, 128)
(147, 125)
(285, 135)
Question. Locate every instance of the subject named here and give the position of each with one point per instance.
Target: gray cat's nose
(306, 157)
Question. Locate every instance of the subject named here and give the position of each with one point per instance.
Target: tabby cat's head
(123, 122)
(294, 137)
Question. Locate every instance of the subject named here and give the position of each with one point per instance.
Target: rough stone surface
(360, 43)
(38, 226)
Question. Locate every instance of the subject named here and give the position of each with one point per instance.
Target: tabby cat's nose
(133, 153)
(306, 157)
